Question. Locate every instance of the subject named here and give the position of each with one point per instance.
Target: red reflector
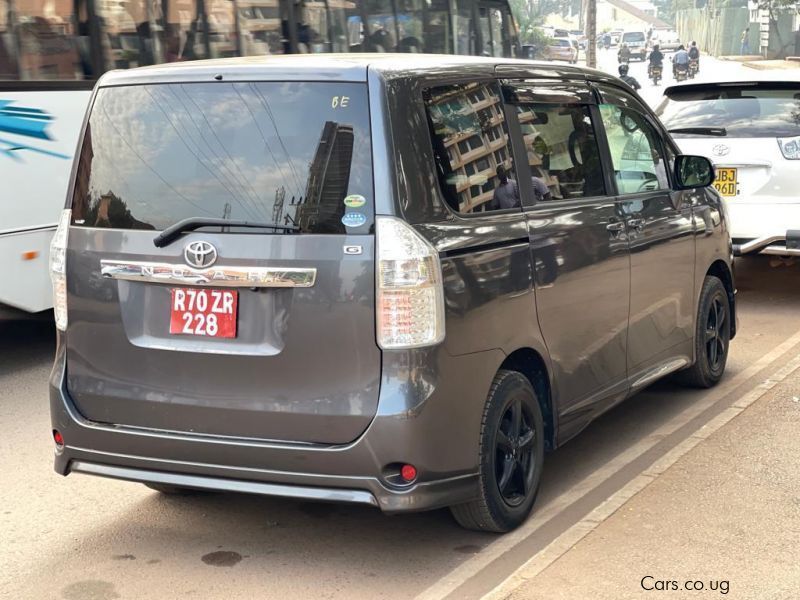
(408, 472)
(58, 438)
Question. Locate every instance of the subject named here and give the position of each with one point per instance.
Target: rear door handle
(616, 226)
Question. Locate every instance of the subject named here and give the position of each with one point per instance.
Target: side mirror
(693, 172)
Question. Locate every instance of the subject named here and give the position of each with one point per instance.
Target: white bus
(52, 51)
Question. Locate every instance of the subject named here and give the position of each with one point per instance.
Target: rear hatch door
(262, 332)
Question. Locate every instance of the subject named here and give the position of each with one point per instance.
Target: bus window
(382, 30)
(262, 26)
(43, 40)
(465, 31)
(313, 27)
(127, 38)
(338, 11)
(423, 26)
(8, 62)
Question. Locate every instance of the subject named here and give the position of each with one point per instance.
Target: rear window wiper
(171, 233)
(716, 131)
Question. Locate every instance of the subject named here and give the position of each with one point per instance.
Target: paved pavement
(83, 538)
(723, 520)
(710, 69)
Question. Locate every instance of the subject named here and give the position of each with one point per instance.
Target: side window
(562, 151)
(471, 147)
(636, 151)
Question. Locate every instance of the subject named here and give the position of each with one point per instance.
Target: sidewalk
(761, 64)
(726, 515)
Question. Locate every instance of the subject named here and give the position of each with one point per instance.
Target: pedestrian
(745, 42)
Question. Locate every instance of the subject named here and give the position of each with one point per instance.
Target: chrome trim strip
(204, 482)
(220, 276)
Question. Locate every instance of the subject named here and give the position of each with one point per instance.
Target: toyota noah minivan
(395, 281)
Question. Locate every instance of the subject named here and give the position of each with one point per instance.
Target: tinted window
(281, 153)
(39, 40)
(742, 111)
(634, 36)
(562, 150)
(469, 119)
(636, 151)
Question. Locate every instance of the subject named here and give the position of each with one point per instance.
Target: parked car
(751, 131)
(636, 41)
(348, 287)
(616, 36)
(562, 49)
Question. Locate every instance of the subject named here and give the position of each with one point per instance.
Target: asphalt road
(710, 69)
(84, 538)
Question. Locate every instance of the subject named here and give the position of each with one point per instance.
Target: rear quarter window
(290, 154)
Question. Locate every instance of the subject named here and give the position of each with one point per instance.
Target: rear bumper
(352, 473)
(787, 244)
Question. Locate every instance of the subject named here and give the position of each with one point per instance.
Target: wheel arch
(723, 272)
(532, 365)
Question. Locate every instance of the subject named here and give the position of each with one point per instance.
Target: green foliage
(531, 14)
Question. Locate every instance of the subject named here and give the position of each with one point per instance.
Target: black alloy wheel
(514, 453)
(712, 336)
(715, 334)
(510, 457)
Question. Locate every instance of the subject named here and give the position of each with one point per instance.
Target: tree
(531, 14)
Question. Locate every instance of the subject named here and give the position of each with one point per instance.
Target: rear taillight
(58, 269)
(410, 303)
(790, 148)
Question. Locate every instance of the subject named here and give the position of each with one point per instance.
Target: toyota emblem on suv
(200, 255)
(720, 150)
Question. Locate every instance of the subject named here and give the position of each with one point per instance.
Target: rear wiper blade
(171, 233)
(717, 131)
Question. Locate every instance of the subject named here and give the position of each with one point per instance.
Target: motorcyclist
(624, 54)
(630, 80)
(656, 58)
(694, 54)
(680, 60)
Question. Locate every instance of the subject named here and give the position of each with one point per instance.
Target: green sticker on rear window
(355, 201)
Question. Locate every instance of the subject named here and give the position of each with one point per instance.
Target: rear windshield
(636, 36)
(295, 155)
(747, 112)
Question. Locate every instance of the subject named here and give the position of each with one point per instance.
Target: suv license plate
(726, 181)
(202, 311)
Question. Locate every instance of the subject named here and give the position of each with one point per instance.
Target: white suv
(751, 132)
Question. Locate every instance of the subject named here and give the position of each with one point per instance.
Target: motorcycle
(656, 72)
(694, 67)
(681, 72)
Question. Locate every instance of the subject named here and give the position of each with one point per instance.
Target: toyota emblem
(720, 150)
(200, 255)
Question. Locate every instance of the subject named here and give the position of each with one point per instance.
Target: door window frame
(557, 92)
(489, 80)
(667, 146)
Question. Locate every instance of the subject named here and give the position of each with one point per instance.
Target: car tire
(172, 490)
(712, 336)
(511, 455)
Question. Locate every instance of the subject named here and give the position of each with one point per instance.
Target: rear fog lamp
(58, 438)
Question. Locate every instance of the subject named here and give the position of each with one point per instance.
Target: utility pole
(591, 33)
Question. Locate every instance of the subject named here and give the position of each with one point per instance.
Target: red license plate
(206, 312)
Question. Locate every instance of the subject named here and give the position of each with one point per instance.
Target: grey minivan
(388, 280)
